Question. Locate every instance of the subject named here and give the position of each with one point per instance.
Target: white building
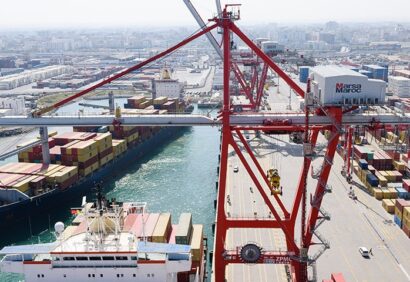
(399, 86)
(335, 85)
(15, 105)
(166, 87)
(272, 47)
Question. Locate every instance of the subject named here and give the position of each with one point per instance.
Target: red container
(172, 235)
(337, 277)
(406, 184)
(129, 222)
(401, 203)
(406, 230)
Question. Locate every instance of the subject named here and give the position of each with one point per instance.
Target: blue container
(363, 164)
(303, 74)
(402, 193)
(397, 220)
(372, 180)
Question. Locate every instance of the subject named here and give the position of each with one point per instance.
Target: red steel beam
(128, 70)
(321, 185)
(302, 179)
(254, 78)
(240, 77)
(261, 172)
(221, 226)
(253, 223)
(289, 239)
(289, 128)
(268, 61)
(348, 153)
(262, 80)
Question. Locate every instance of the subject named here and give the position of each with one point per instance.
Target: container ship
(110, 240)
(79, 159)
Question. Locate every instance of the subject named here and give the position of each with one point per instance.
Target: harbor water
(177, 177)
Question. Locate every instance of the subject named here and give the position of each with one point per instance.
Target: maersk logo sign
(348, 88)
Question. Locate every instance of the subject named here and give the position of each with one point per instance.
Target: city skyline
(89, 14)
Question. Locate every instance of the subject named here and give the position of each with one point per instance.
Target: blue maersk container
(402, 193)
(372, 180)
(303, 74)
(363, 164)
(397, 220)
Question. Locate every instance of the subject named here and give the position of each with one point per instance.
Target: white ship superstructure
(108, 242)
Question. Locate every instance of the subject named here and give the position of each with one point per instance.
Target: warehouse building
(335, 85)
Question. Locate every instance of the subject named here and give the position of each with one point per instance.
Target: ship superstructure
(109, 240)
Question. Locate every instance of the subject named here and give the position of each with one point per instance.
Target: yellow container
(378, 194)
(388, 205)
(23, 184)
(406, 212)
(160, 100)
(197, 242)
(88, 170)
(103, 141)
(393, 193)
(162, 228)
(106, 159)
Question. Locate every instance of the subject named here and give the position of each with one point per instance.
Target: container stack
(406, 220)
(104, 147)
(184, 229)
(135, 102)
(398, 211)
(33, 178)
(129, 133)
(150, 226)
(65, 138)
(55, 155)
(83, 154)
(162, 229)
(170, 106)
(389, 205)
(119, 147)
(33, 154)
(197, 246)
(158, 102)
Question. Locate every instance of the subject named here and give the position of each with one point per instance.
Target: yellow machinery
(274, 179)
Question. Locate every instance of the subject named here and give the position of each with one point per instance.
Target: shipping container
(162, 229)
(184, 230)
(388, 205)
(150, 226)
(197, 242)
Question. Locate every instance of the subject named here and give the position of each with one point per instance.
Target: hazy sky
(94, 13)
